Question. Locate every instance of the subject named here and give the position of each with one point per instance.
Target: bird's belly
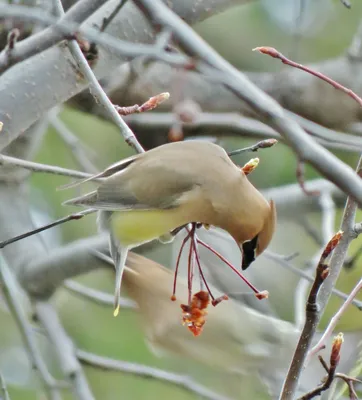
(141, 226)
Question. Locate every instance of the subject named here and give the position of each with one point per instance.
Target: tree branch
(217, 124)
(45, 168)
(10, 292)
(48, 86)
(96, 296)
(64, 349)
(145, 371)
(292, 379)
(98, 92)
(333, 322)
(41, 276)
(48, 37)
(3, 388)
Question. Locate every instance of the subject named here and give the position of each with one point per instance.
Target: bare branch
(291, 381)
(60, 221)
(10, 292)
(3, 388)
(112, 53)
(331, 370)
(64, 349)
(98, 91)
(264, 144)
(96, 296)
(182, 381)
(40, 277)
(333, 322)
(234, 124)
(47, 38)
(328, 216)
(290, 267)
(108, 20)
(36, 167)
(149, 105)
(75, 145)
(339, 255)
(276, 54)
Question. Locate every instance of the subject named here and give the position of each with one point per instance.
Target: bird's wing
(142, 186)
(112, 169)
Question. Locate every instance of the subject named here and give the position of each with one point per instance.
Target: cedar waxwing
(149, 195)
(238, 339)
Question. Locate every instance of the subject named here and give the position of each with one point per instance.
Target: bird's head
(253, 248)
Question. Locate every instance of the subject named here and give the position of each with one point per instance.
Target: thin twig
(97, 296)
(328, 215)
(76, 147)
(264, 144)
(182, 381)
(310, 229)
(276, 54)
(333, 322)
(44, 168)
(148, 105)
(217, 123)
(113, 14)
(331, 370)
(339, 255)
(3, 388)
(280, 260)
(300, 178)
(60, 221)
(291, 381)
(10, 293)
(327, 227)
(98, 91)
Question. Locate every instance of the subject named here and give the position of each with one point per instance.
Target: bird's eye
(249, 252)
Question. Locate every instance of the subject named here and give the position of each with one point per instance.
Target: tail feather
(85, 200)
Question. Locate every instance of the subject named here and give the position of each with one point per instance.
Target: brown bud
(270, 51)
(154, 102)
(218, 300)
(264, 144)
(250, 166)
(264, 294)
(331, 245)
(336, 349)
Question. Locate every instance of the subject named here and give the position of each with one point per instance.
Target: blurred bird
(238, 339)
(149, 195)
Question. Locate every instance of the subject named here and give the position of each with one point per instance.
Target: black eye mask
(249, 249)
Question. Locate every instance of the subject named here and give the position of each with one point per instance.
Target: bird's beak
(248, 250)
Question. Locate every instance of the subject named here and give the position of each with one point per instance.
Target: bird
(238, 339)
(149, 195)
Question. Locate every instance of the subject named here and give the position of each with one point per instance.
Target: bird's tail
(84, 200)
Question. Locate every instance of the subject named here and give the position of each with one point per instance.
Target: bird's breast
(135, 227)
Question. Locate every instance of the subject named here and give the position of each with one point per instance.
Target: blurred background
(308, 31)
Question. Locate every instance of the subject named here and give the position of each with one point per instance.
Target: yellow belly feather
(141, 226)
